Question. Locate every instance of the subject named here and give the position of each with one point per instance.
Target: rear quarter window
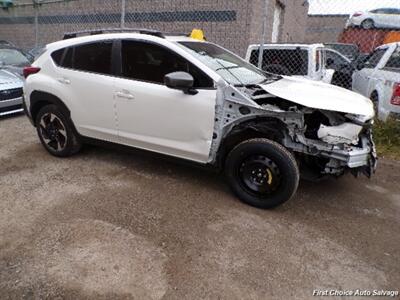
(283, 61)
(57, 56)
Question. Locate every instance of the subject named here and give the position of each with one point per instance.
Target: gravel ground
(109, 224)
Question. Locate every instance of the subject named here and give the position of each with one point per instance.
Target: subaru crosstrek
(195, 100)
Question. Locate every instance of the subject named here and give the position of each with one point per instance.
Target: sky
(348, 6)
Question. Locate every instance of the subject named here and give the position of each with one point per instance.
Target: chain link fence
(321, 40)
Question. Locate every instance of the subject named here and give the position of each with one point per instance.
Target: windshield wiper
(227, 68)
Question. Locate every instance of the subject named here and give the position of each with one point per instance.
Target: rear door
(157, 118)
(86, 74)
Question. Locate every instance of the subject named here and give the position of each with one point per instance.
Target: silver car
(12, 62)
(10, 93)
(376, 18)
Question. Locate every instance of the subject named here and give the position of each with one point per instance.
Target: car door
(86, 72)
(333, 62)
(362, 77)
(394, 18)
(381, 17)
(154, 117)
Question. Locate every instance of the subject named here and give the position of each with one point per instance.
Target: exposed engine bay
(324, 142)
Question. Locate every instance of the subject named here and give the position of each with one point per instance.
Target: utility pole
(263, 35)
(123, 13)
(36, 9)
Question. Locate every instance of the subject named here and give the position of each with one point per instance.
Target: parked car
(312, 61)
(13, 59)
(35, 52)
(6, 43)
(197, 101)
(10, 93)
(376, 18)
(379, 79)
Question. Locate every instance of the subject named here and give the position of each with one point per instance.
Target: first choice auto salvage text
(384, 293)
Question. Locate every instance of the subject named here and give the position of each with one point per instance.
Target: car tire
(262, 173)
(368, 24)
(56, 132)
(375, 100)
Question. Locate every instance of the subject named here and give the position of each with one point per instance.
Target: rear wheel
(375, 100)
(368, 24)
(262, 173)
(56, 132)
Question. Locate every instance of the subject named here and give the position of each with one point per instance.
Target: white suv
(194, 100)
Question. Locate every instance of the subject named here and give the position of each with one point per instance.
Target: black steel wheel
(375, 100)
(262, 173)
(56, 132)
(259, 175)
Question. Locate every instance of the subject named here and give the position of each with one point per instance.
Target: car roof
(388, 45)
(299, 45)
(112, 36)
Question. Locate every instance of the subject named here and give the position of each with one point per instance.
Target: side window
(394, 60)
(254, 57)
(57, 56)
(67, 61)
(283, 61)
(334, 59)
(149, 62)
(93, 57)
(373, 60)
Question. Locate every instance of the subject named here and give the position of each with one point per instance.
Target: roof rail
(75, 34)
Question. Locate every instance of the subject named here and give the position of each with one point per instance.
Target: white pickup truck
(312, 61)
(378, 78)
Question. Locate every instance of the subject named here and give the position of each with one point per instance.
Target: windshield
(12, 57)
(229, 66)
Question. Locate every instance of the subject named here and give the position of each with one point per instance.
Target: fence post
(263, 35)
(123, 10)
(36, 9)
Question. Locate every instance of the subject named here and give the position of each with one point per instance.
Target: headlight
(360, 119)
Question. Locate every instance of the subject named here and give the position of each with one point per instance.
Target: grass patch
(387, 138)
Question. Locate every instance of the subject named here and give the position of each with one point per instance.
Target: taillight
(30, 70)
(357, 14)
(396, 95)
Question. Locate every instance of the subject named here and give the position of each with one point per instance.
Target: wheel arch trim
(40, 98)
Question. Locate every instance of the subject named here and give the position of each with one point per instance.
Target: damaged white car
(192, 99)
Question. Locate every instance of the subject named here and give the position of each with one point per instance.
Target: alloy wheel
(53, 132)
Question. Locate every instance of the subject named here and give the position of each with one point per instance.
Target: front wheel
(262, 173)
(368, 24)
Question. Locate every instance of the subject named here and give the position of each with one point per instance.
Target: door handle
(64, 80)
(125, 95)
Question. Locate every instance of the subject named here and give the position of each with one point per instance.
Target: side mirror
(180, 81)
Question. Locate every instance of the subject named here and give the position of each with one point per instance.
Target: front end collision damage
(343, 143)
